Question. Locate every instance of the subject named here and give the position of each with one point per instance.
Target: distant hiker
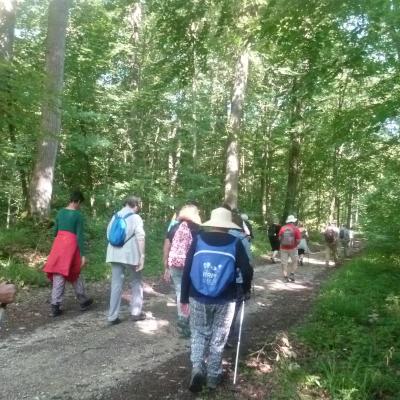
(209, 280)
(302, 247)
(331, 236)
(240, 294)
(247, 227)
(273, 236)
(344, 237)
(178, 242)
(351, 237)
(67, 255)
(128, 257)
(289, 237)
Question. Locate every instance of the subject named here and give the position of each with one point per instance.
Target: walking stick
(238, 344)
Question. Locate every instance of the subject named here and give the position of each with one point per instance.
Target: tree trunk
(7, 35)
(43, 174)
(294, 157)
(233, 128)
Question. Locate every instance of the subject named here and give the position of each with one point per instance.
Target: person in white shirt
(130, 258)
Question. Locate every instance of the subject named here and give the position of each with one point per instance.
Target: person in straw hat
(176, 247)
(209, 292)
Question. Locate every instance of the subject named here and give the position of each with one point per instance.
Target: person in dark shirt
(67, 255)
(273, 236)
(211, 315)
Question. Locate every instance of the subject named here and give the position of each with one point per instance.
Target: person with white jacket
(130, 258)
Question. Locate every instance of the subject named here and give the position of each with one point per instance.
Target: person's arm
(166, 249)
(7, 293)
(140, 238)
(80, 232)
(141, 246)
(56, 226)
(297, 235)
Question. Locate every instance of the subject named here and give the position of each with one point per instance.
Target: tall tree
(43, 174)
(233, 128)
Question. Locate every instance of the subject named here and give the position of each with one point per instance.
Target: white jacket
(129, 253)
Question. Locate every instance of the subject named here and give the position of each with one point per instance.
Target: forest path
(79, 356)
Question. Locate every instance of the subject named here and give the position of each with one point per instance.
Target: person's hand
(83, 261)
(167, 275)
(185, 309)
(141, 263)
(7, 293)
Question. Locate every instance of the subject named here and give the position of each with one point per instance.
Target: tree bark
(233, 128)
(7, 36)
(43, 174)
(294, 157)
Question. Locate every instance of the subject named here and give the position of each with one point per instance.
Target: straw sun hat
(189, 213)
(221, 218)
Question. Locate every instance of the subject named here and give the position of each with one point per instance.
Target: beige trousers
(287, 255)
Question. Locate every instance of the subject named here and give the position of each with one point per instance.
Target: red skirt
(64, 258)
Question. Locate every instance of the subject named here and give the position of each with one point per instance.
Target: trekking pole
(238, 344)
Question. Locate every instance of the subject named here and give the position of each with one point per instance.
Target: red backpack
(288, 238)
(180, 246)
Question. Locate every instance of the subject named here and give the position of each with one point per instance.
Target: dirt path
(80, 357)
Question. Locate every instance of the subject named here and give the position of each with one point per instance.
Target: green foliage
(351, 338)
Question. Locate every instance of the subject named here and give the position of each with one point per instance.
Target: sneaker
(56, 310)
(139, 317)
(115, 321)
(197, 380)
(86, 304)
(291, 277)
(285, 279)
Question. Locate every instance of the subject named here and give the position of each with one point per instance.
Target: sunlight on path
(93, 355)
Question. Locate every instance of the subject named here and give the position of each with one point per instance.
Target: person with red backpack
(176, 246)
(289, 238)
(331, 236)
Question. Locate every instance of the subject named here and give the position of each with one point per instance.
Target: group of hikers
(209, 264)
(291, 241)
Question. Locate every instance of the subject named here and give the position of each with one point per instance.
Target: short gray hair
(133, 201)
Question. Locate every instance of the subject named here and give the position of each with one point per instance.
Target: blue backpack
(213, 268)
(117, 233)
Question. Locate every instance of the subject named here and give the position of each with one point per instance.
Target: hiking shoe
(56, 310)
(197, 380)
(139, 317)
(285, 279)
(229, 344)
(115, 321)
(213, 382)
(86, 304)
(291, 277)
